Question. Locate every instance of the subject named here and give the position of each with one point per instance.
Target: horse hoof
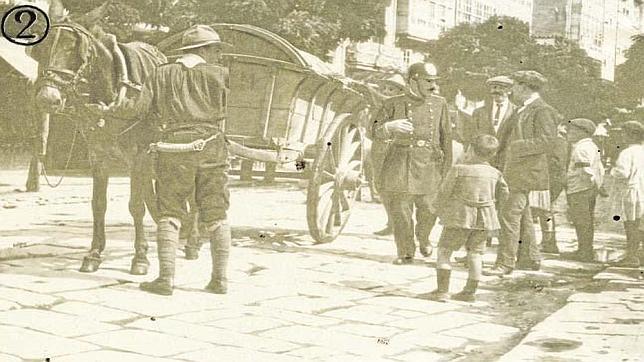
(138, 269)
(90, 264)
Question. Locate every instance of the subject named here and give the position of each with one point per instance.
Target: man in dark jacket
(420, 153)
(527, 173)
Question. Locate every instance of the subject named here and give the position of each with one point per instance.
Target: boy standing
(466, 206)
(583, 179)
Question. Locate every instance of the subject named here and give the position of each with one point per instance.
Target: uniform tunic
(408, 168)
(187, 101)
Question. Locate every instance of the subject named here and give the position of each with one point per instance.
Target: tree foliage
(630, 81)
(468, 54)
(316, 26)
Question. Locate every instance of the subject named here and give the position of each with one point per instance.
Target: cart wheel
(335, 179)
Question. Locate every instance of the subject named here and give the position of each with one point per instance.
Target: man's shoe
(157, 286)
(438, 296)
(498, 270)
(426, 251)
(191, 254)
(216, 287)
(403, 261)
(530, 265)
(388, 230)
(464, 296)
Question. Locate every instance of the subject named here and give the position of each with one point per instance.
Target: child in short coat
(466, 206)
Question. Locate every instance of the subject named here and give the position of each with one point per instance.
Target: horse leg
(136, 205)
(99, 206)
(39, 151)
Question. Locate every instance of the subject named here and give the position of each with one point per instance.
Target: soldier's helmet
(422, 71)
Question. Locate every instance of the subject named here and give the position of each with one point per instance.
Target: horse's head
(65, 65)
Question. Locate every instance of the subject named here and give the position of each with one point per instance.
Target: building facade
(603, 28)
(409, 24)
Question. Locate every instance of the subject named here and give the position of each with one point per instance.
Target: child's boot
(441, 294)
(467, 294)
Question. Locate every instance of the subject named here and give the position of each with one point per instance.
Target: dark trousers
(401, 213)
(581, 211)
(517, 229)
(634, 238)
(546, 217)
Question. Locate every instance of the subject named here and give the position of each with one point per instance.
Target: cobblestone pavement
(288, 299)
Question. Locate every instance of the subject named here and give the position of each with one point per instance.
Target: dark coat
(530, 142)
(415, 170)
(481, 122)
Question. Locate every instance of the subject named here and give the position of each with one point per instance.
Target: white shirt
(585, 169)
(504, 109)
(191, 60)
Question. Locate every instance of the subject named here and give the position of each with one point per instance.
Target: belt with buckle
(412, 143)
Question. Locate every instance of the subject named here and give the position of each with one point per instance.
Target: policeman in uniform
(420, 153)
(186, 101)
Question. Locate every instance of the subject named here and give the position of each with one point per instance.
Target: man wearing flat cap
(583, 180)
(494, 117)
(526, 171)
(419, 154)
(186, 101)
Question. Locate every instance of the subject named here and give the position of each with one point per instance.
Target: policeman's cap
(584, 124)
(423, 70)
(501, 81)
(531, 78)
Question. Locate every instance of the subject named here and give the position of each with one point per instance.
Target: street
(288, 299)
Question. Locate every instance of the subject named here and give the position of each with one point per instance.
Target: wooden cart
(286, 105)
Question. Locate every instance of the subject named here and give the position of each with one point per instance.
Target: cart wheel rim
(336, 179)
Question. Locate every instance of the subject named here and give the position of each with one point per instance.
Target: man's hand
(402, 126)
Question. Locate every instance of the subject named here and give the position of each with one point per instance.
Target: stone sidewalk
(288, 299)
(603, 326)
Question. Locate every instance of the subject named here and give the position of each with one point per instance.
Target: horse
(78, 67)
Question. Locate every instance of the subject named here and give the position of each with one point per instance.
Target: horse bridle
(55, 76)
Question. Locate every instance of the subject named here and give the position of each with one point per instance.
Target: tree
(316, 26)
(630, 83)
(468, 54)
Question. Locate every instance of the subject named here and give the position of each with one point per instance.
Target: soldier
(526, 171)
(419, 154)
(186, 100)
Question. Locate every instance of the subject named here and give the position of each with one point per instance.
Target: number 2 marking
(32, 19)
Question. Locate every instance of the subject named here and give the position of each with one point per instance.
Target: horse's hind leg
(100, 179)
(138, 180)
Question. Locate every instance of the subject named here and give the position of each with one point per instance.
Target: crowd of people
(519, 156)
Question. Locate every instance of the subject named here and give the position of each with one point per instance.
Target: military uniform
(186, 101)
(414, 164)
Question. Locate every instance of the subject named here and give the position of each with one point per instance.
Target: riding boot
(219, 250)
(167, 239)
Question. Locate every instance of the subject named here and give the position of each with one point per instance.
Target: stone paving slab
(93, 312)
(335, 340)
(424, 356)
(484, 332)
(366, 330)
(25, 298)
(306, 305)
(223, 353)
(212, 335)
(55, 323)
(8, 358)
(145, 342)
(40, 345)
(441, 321)
(105, 356)
(424, 339)
(411, 304)
(372, 314)
(247, 324)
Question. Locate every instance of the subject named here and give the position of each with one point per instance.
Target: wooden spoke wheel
(335, 179)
